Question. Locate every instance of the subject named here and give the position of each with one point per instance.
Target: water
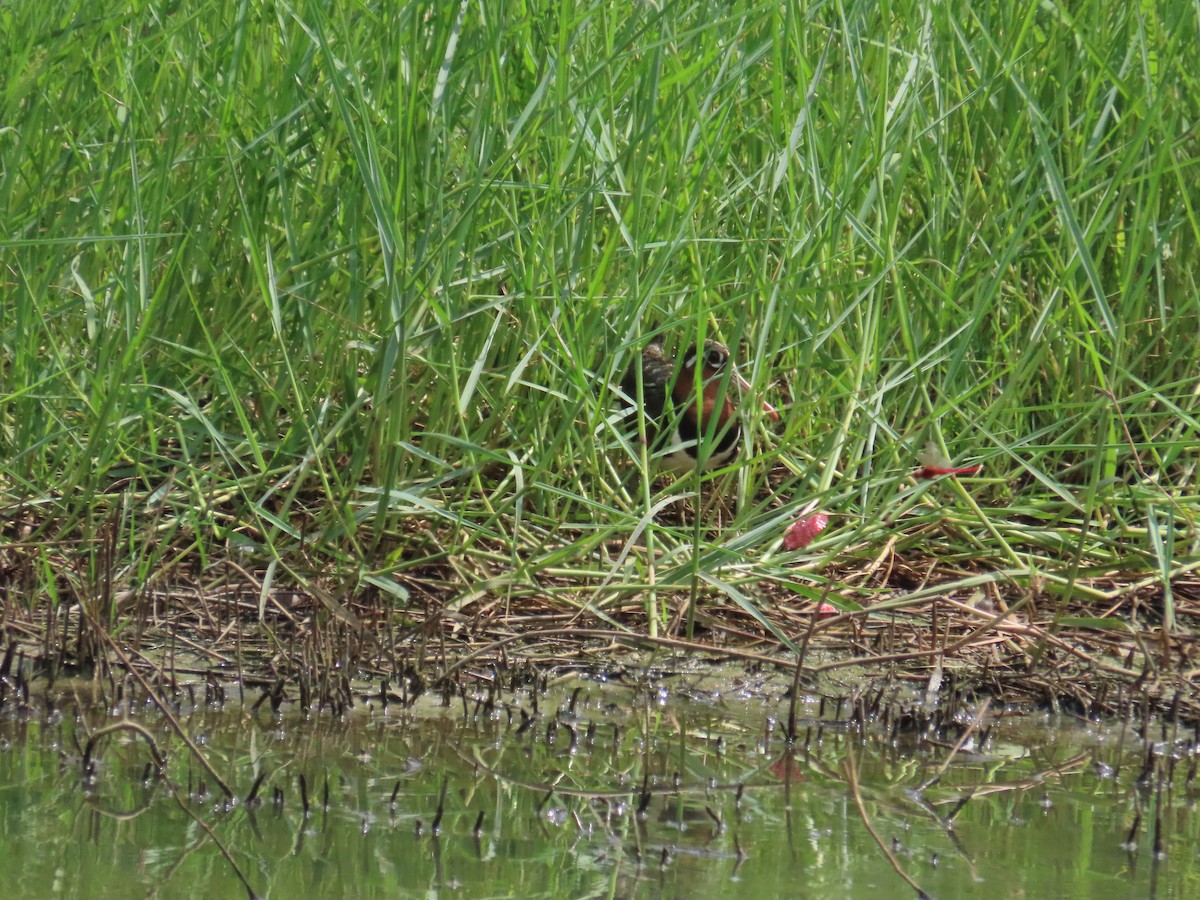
(677, 789)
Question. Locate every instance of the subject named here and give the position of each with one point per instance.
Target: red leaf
(804, 530)
(936, 471)
(785, 769)
(934, 464)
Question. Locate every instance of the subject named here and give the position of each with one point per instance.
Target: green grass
(335, 291)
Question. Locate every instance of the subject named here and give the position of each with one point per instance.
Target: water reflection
(680, 788)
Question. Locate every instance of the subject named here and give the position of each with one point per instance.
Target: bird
(685, 431)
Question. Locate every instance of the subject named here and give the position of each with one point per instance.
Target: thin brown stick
(251, 894)
(166, 712)
(126, 725)
(851, 770)
(962, 742)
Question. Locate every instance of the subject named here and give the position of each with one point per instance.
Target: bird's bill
(745, 386)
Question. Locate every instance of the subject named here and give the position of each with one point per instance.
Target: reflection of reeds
(662, 760)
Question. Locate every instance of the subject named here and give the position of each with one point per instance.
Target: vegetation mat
(312, 319)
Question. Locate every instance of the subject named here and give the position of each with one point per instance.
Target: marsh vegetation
(312, 319)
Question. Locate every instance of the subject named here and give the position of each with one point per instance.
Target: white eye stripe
(714, 355)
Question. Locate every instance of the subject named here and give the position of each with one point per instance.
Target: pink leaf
(804, 530)
(938, 471)
(935, 464)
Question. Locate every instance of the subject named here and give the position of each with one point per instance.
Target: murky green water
(1049, 808)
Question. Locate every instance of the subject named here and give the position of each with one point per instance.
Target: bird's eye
(714, 358)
